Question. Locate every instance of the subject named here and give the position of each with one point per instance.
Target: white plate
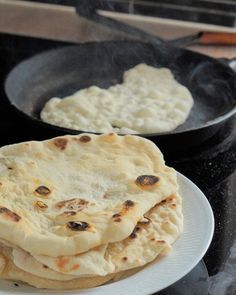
(187, 252)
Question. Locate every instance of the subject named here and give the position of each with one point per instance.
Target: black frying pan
(63, 71)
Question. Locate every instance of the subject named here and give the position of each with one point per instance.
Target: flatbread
(9, 271)
(70, 194)
(149, 100)
(152, 236)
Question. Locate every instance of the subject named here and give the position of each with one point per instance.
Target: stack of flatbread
(75, 211)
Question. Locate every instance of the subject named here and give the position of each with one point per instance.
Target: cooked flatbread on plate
(67, 195)
(10, 271)
(83, 210)
(152, 236)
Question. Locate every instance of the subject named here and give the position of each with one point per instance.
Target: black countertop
(211, 165)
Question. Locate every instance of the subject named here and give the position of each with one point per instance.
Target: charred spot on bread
(165, 201)
(9, 214)
(43, 190)
(60, 143)
(118, 219)
(128, 204)
(133, 235)
(78, 225)
(41, 205)
(83, 202)
(45, 266)
(72, 204)
(170, 199)
(124, 258)
(161, 241)
(116, 215)
(85, 138)
(146, 180)
(64, 203)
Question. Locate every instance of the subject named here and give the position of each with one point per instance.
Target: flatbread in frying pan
(149, 100)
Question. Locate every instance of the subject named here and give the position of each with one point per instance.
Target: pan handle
(206, 38)
(88, 9)
(229, 62)
(232, 64)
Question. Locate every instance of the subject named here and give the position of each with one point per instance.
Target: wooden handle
(219, 38)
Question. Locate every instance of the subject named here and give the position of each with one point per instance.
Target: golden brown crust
(72, 204)
(61, 143)
(9, 215)
(85, 138)
(146, 181)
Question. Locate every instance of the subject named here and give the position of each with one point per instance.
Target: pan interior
(61, 72)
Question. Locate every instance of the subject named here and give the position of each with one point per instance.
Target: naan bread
(70, 194)
(152, 236)
(149, 100)
(9, 271)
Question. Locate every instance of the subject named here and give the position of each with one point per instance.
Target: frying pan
(63, 71)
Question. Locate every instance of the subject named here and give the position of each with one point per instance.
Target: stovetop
(211, 165)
